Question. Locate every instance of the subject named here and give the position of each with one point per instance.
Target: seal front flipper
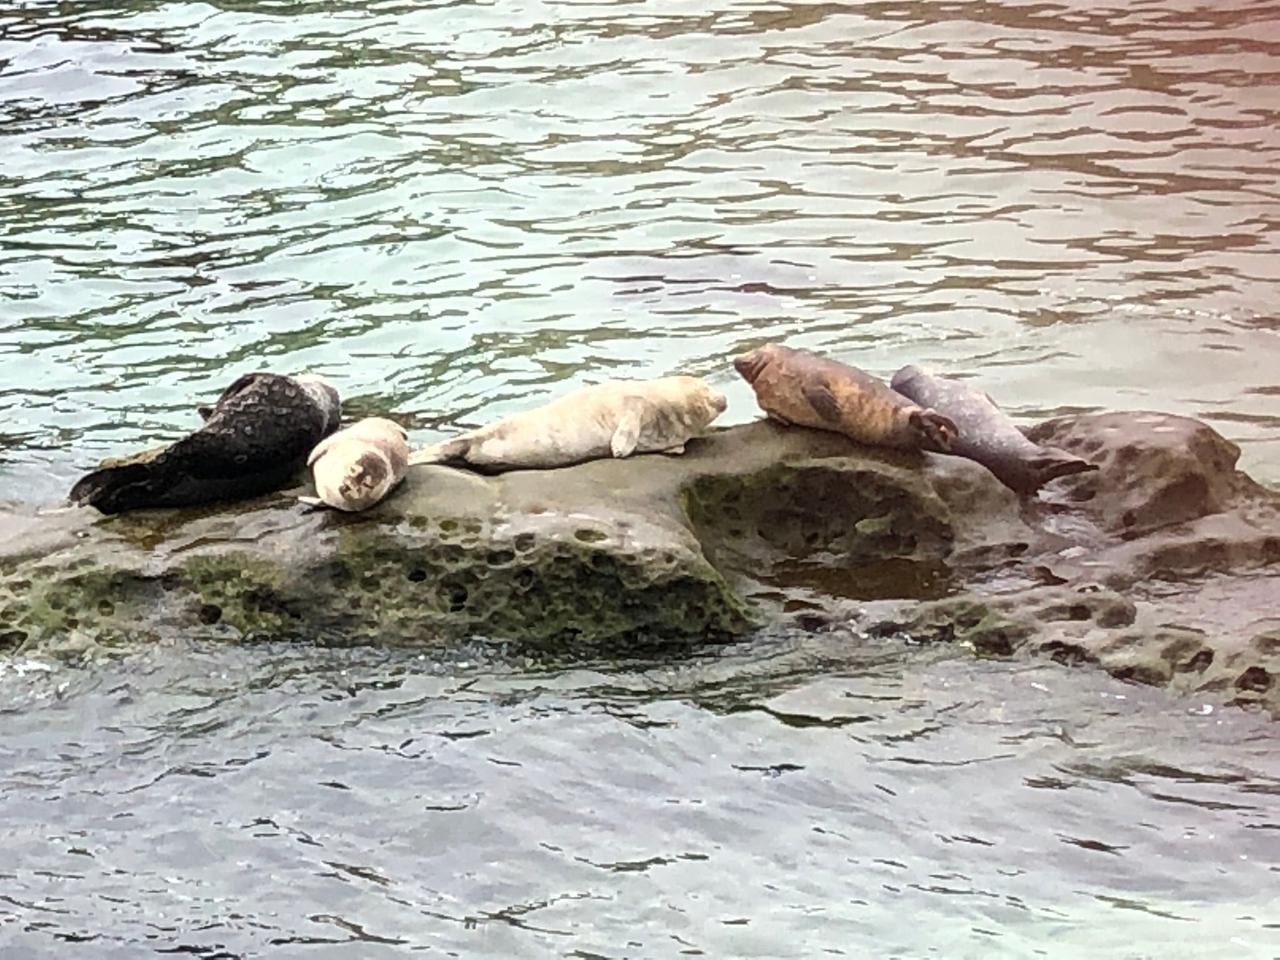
(937, 431)
(820, 396)
(626, 436)
(319, 450)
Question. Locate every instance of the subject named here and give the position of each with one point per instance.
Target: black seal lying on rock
(986, 434)
(254, 439)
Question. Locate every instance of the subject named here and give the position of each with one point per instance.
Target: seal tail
(115, 489)
(449, 451)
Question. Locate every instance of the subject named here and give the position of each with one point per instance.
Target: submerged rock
(1160, 567)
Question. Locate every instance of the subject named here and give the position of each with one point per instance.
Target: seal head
(358, 466)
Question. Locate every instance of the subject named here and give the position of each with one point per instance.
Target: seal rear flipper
(1053, 464)
(627, 434)
(938, 431)
(114, 489)
(449, 451)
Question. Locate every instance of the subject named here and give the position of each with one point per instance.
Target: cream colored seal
(612, 419)
(358, 466)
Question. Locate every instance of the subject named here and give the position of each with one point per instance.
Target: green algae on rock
(614, 554)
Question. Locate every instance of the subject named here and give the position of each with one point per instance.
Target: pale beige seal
(612, 419)
(359, 465)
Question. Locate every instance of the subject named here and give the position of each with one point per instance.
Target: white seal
(358, 466)
(612, 419)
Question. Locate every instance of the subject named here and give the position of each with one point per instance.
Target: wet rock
(450, 556)
(1075, 626)
(611, 554)
(1161, 567)
(1155, 469)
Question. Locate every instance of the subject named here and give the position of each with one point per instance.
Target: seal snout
(366, 475)
(749, 365)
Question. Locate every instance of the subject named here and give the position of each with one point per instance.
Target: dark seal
(987, 435)
(255, 438)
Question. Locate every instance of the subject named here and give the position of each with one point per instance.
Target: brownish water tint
(896, 579)
(457, 209)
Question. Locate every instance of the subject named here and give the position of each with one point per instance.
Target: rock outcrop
(1161, 566)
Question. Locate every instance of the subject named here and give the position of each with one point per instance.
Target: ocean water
(456, 210)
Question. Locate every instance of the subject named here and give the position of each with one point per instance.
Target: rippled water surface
(456, 209)
(783, 799)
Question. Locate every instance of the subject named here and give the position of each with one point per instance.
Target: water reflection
(456, 210)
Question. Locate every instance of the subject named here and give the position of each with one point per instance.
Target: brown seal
(805, 388)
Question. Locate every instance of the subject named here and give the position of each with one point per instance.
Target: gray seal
(986, 434)
(255, 438)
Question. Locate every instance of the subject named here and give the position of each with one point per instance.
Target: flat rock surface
(1161, 566)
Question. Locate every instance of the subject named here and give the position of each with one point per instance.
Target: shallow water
(454, 210)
